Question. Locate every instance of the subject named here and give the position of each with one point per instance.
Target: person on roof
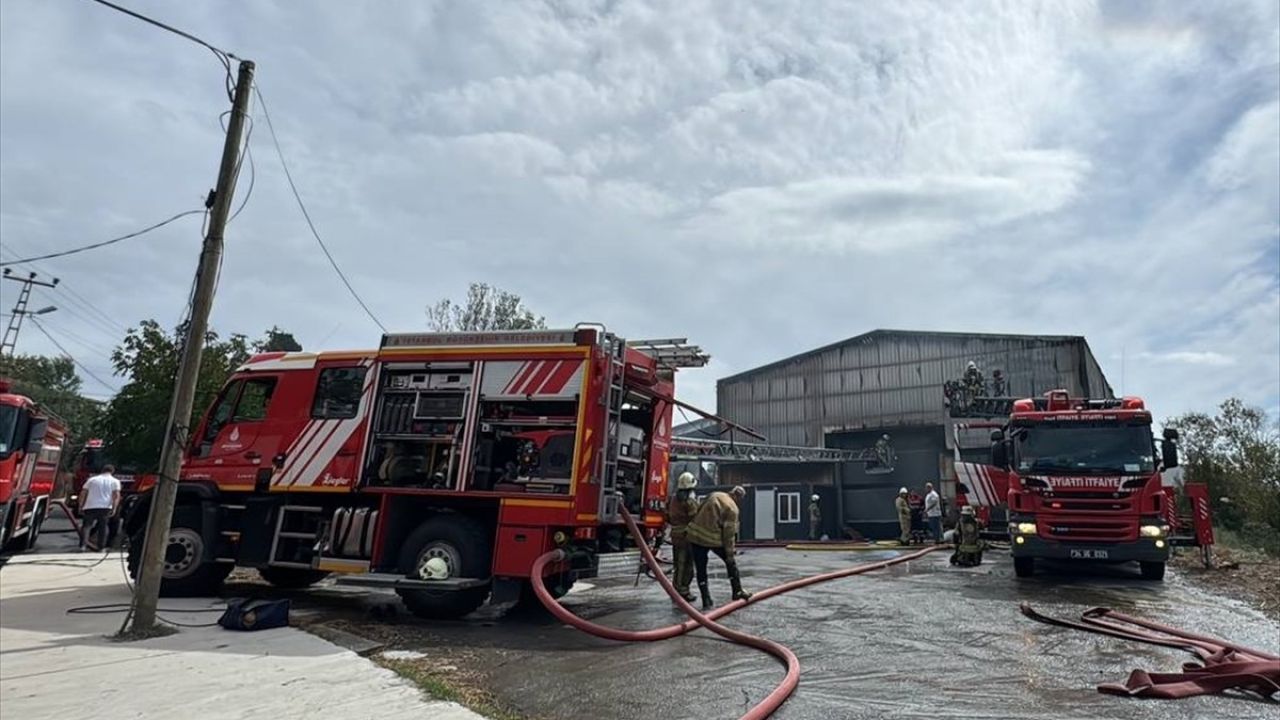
(680, 512)
(714, 529)
(903, 507)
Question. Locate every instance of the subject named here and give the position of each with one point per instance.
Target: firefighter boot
(705, 592)
(735, 581)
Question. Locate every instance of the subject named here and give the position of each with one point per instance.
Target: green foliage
(53, 383)
(1237, 454)
(277, 340)
(487, 308)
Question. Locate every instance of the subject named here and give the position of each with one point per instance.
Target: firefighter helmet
(686, 481)
(816, 498)
(435, 569)
(738, 491)
(902, 491)
(967, 510)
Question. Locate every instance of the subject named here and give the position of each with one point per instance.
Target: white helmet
(686, 481)
(967, 510)
(435, 569)
(902, 491)
(816, 498)
(972, 365)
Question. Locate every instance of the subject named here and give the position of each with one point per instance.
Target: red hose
(773, 700)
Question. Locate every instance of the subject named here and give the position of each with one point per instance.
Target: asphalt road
(919, 640)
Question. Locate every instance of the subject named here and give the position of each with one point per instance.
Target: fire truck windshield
(8, 427)
(1115, 449)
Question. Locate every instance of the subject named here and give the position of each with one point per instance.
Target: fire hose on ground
(1223, 666)
(773, 700)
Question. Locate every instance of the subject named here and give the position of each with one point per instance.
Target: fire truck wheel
(291, 578)
(1024, 566)
(185, 573)
(1152, 570)
(464, 546)
(529, 599)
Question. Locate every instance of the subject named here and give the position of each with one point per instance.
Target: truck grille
(1066, 528)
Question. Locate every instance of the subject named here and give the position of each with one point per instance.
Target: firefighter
(714, 529)
(969, 545)
(884, 451)
(903, 505)
(681, 509)
(815, 518)
(974, 383)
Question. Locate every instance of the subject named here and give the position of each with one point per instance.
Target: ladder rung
(298, 535)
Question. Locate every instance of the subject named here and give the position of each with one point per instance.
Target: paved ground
(59, 665)
(922, 640)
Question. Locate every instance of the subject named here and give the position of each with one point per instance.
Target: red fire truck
(31, 443)
(480, 449)
(90, 461)
(1082, 480)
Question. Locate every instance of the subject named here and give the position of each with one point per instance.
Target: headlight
(1020, 540)
(1153, 531)
(1023, 528)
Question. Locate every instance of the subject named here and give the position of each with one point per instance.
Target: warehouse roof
(888, 332)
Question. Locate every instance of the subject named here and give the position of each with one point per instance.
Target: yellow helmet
(686, 481)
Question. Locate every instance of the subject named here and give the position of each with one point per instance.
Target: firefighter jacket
(716, 523)
(903, 506)
(966, 538)
(680, 512)
(815, 513)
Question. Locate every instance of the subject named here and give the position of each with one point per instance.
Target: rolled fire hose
(773, 700)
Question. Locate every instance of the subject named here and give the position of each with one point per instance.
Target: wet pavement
(919, 640)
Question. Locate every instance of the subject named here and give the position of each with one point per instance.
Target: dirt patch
(1250, 575)
(443, 671)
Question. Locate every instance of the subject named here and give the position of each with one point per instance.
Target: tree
(1237, 454)
(53, 383)
(277, 340)
(487, 308)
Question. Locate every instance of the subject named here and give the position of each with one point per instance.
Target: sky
(760, 177)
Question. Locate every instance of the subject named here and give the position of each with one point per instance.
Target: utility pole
(166, 491)
(20, 308)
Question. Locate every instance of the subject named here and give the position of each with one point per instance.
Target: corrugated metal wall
(892, 378)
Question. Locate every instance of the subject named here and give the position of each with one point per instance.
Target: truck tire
(529, 599)
(291, 578)
(186, 574)
(465, 546)
(1152, 571)
(1024, 566)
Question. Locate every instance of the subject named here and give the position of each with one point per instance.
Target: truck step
(394, 581)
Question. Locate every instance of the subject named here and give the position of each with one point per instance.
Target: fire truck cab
(440, 465)
(31, 443)
(1084, 482)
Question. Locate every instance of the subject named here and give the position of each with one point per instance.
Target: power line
(216, 51)
(72, 298)
(302, 206)
(78, 364)
(104, 243)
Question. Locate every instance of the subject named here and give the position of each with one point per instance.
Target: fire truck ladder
(981, 407)
(615, 381)
(700, 450)
(672, 353)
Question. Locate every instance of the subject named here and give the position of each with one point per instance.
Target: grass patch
(443, 683)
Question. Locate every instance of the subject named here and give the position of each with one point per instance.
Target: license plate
(1088, 554)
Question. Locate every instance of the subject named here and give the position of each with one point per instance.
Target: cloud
(762, 178)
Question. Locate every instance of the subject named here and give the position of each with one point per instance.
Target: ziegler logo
(330, 480)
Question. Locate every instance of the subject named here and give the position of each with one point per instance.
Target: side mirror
(1000, 454)
(1171, 434)
(35, 435)
(1169, 450)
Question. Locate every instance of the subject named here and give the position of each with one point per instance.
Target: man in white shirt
(933, 511)
(99, 500)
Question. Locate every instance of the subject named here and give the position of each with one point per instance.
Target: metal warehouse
(849, 394)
